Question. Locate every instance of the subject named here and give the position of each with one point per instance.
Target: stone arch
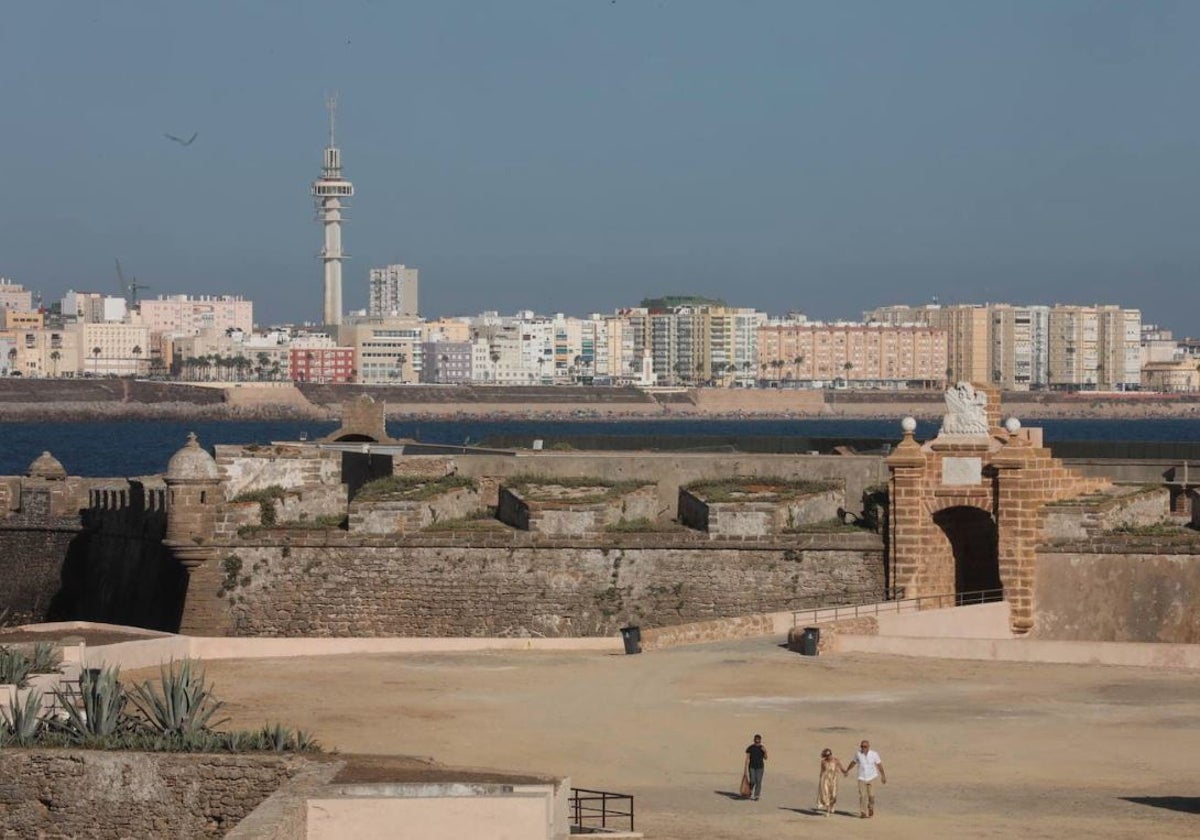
(974, 544)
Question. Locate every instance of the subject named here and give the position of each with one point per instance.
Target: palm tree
(54, 357)
(799, 360)
(137, 355)
(95, 360)
(264, 362)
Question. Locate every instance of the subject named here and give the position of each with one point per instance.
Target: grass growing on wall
(757, 489)
(540, 488)
(411, 488)
(266, 498)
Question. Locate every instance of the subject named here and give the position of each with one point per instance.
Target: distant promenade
(93, 399)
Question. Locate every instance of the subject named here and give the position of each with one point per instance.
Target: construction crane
(129, 290)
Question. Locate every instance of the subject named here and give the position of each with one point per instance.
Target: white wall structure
(328, 192)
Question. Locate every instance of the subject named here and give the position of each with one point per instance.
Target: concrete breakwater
(92, 399)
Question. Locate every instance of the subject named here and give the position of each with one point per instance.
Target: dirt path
(971, 749)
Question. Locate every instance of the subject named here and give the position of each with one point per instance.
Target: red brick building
(327, 365)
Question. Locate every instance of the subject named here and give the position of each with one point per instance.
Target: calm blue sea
(130, 448)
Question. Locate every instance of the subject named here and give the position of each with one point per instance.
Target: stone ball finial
(1013, 425)
(48, 467)
(192, 462)
(908, 425)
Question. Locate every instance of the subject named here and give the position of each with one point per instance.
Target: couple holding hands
(868, 762)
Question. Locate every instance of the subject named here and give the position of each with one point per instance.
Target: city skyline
(579, 157)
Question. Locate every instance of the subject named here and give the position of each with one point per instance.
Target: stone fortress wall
(116, 560)
(275, 540)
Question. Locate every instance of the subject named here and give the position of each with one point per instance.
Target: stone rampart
(482, 584)
(97, 794)
(1119, 589)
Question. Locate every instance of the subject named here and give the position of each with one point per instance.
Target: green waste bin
(632, 637)
(810, 641)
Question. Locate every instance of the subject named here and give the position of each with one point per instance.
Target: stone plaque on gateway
(959, 471)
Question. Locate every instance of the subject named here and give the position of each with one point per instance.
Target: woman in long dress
(827, 786)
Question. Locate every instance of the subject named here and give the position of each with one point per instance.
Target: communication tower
(328, 192)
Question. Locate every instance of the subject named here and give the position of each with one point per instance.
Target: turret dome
(48, 467)
(192, 463)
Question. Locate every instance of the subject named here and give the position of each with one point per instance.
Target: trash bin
(632, 637)
(809, 641)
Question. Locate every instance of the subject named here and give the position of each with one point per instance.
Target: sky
(577, 156)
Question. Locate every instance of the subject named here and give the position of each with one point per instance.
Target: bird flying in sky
(181, 141)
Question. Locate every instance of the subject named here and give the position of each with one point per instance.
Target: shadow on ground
(1186, 804)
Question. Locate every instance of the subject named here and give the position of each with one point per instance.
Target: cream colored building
(113, 349)
(185, 314)
(1174, 377)
(387, 350)
(40, 352)
(873, 355)
(14, 296)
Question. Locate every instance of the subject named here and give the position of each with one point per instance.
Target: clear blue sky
(577, 155)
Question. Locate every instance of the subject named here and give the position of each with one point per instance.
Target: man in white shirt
(870, 768)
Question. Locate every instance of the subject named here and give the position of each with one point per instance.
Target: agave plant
(45, 659)
(97, 713)
(278, 737)
(182, 703)
(21, 722)
(14, 667)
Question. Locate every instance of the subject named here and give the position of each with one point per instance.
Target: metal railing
(587, 815)
(896, 603)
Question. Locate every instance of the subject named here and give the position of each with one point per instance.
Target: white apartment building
(14, 296)
(393, 291)
(93, 307)
(1020, 347)
(1095, 348)
(186, 314)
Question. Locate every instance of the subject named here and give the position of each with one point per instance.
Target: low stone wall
(1090, 516)
(754, 518)
(569, 519)
(97, 794)
(1119, 590)
(402, 516)
(518, 584)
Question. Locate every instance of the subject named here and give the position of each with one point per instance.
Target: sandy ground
(996, 750)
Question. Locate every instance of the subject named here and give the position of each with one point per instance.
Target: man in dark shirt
(756, 758)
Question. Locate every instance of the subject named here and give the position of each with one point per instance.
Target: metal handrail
(581, 813)
(838, 612)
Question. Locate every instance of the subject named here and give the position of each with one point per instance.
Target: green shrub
(266, 498)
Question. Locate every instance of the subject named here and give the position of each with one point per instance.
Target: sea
(120, 448)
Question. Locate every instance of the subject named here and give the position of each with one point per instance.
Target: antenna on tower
(331, 104)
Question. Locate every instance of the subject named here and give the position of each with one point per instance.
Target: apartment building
(1095, 348)
(93, 307)
(1020, 347)
(112, 349)
(388, 350)
(37, 352)
(446, 362)
(186, 314)
(393, 292)
(820, 355)
(14, 296)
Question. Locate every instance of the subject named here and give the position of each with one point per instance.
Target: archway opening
(974, 542)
